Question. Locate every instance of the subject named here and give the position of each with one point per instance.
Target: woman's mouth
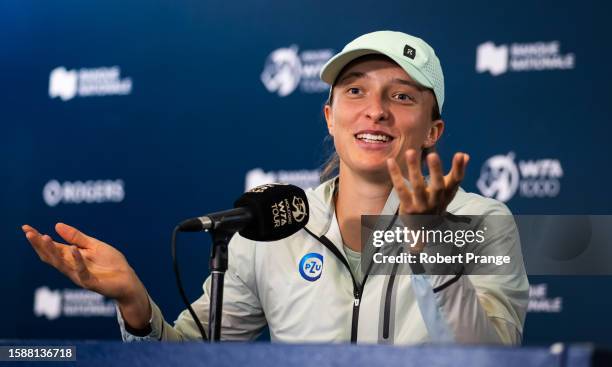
(373, 138)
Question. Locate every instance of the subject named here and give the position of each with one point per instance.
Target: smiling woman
(383, 114)
(331, 166)
(387, 110)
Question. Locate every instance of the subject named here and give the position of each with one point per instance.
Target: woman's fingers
(427, 197)
(73, 236)
(27, 228)
(81, 270)
(80, 262)
(455, 176)
(436, 180)
(49, 251)
(57, 253)
(34, 238)
(416, 180)
(40, 246)
(398, 183)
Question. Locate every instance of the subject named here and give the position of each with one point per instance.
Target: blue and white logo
(311, 266)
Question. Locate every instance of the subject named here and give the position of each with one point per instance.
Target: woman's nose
(377, 110)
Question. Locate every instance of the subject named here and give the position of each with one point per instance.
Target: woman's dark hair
(332, 163)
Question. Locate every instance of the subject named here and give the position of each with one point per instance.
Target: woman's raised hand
(432, 197)
(88, 262)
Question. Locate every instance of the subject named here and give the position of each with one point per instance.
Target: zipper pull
(357, 295)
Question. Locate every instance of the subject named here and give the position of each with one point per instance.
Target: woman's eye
(404, 97)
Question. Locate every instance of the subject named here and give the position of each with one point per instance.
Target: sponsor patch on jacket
(311, 266)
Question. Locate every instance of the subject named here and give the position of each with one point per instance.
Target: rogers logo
(98, 191)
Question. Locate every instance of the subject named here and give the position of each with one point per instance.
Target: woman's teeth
(373, 138)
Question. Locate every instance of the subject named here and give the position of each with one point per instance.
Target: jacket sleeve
(479, 308)
(242, 318)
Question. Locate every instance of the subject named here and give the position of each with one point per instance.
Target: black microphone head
(279, 210)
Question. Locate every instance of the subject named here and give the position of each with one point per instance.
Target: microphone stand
(226, 224)
(218, 267)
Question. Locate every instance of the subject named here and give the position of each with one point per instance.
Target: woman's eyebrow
(352, 74)
(409, 83)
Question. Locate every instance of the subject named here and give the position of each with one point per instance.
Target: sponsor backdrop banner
(123, 118)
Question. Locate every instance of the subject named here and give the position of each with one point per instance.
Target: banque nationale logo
(287, 68)
(534, 56)
(541, 302)
(88, 82)
(501, 177)
(53, 304)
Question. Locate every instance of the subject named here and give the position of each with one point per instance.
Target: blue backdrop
(122, 118)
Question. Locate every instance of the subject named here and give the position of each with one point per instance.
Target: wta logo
(287, 68)
(299, 209)
(501, 177)
(284, 213)
(311, 266)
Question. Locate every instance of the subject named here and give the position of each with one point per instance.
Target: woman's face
(378, 112)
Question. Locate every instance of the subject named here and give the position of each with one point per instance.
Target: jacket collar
(321, 203)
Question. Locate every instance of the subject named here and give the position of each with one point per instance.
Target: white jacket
(263, 285)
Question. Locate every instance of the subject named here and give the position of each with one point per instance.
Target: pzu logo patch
(311, 266)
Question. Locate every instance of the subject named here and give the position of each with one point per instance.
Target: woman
(384, 115)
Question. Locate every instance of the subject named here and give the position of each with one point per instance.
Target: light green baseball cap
(411, 53)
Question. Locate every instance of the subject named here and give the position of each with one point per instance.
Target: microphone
(265, 213)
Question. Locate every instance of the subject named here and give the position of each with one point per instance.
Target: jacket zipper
(387, 308)
(355, 319)
(357, 290)
(388, 294)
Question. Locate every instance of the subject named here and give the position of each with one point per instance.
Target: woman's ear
(435, 132)
(327, 110)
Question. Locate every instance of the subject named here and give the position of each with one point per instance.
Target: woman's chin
(374, 170)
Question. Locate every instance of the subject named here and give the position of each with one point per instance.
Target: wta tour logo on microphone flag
(311, 266)
(278, 211)
(299, 211)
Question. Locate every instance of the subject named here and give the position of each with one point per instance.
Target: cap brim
(332, 68)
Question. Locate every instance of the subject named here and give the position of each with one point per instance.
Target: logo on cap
(409, 52)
